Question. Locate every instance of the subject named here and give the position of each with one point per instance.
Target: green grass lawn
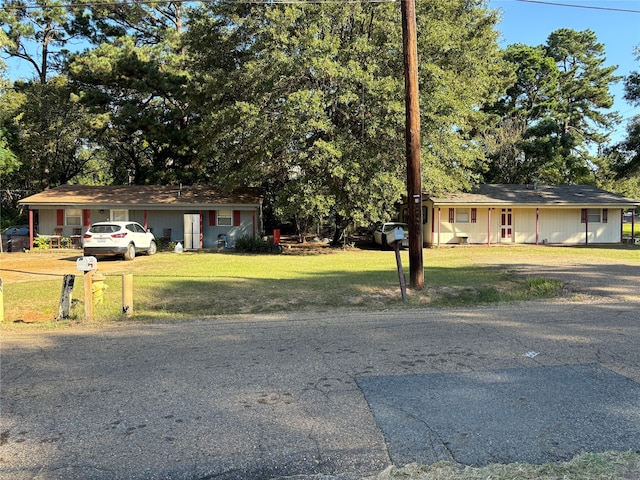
(171, 286)
(626, 229)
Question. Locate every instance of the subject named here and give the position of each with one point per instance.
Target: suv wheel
(131, 252)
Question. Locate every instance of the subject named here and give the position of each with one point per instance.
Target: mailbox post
(87, 265)
(395, 237)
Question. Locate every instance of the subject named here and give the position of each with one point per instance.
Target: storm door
(506, 226)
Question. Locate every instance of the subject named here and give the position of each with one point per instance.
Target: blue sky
(531, 23)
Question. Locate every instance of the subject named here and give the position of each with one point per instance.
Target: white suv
(118, 238)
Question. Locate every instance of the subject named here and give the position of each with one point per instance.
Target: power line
(157, 2)
(592, 7)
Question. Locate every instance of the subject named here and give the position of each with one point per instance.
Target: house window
(119, 215)
(594, 215)
(462, 215)
(225, 217)
(73, 216)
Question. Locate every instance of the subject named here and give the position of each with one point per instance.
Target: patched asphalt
(533, 415)
(328, 395)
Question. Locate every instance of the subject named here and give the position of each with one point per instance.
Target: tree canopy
(555, 114)
(303, 99)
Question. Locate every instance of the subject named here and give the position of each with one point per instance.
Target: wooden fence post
(1, 303)
(88, 295)
(127, 294)
(65, 296)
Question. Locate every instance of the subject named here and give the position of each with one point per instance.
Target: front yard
(170, 286)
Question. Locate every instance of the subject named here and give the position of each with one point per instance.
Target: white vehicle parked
(118, 238)
(380, 233)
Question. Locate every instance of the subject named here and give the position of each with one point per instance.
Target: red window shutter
(236, 218)
(451, 215)
(60, 217)
(86, 218)
(583, 216)
(212, 218)
(605, 215)
(474, 215)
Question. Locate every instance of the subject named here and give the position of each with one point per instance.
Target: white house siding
(561, 226)
(565, 226)
(452, 233)
(539, 214)
(555, 226)
(524, 225)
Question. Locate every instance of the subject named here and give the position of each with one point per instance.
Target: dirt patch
(38, 265)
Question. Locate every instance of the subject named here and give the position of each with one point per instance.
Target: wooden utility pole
(414, 180)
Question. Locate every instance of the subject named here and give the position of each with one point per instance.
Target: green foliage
(41, 243)
(250, 244)
(554, 113)
(36, 34)
(626, 155)
(543, 287)
(8, 160)
(138, 111)
(48, 134)
(308, 100)
(304, 99)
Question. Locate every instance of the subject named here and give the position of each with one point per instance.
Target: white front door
(506, 226)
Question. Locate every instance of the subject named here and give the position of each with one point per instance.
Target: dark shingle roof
(144, 196)
(558, 195)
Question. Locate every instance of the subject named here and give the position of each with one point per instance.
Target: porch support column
(439, 221)
(633, 226)
(30, 229)
(489, 226)
(146, 227)
(537, 225)
(201, 239)
(432, 238)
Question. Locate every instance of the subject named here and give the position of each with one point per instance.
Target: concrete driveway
(330, 395)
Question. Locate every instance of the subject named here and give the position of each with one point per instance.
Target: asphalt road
(332, 395)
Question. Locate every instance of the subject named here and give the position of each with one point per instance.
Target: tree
(48, 148)
(560, 102)
(37, 33)
(582, 117)
(628, 151)
(308, 99)
(136, 87)
(8, 160)
(44, 125)
(529, 99)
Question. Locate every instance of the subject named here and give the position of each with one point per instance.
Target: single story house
(524, 214)
(195, 215)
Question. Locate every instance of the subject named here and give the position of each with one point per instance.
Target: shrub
(40, 243)
(249, 244)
